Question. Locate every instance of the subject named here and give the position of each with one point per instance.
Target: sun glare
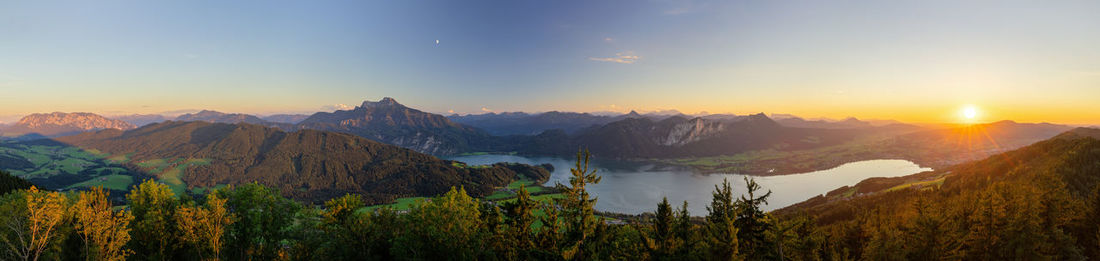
(969, 113)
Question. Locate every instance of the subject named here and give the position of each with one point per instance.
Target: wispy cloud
(608, 39)
(483, 109)
(336, 107)
(627, 57)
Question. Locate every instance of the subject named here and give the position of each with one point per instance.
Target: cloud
(486, 109)
(174, 113)
(608, 39)
(336, 107)
(452, 111)
(627, 57)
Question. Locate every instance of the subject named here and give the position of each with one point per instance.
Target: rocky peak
(387, 101)
(79, 120)
(760, 119)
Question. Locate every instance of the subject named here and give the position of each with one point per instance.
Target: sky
(914, 61)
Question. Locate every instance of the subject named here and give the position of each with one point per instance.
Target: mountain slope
(60, 123)
(677, 136)
(1073, 158)
(1027, 204)
(219, 117)
(519, 123)
(141, 119)
(391, 122)
(286, 118)
(308, 164)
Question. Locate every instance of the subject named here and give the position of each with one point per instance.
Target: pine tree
(664, 242)
(519, 217)
(721, 231)
(753, 224)
(577, 209)
(927, 236)
(987, 222)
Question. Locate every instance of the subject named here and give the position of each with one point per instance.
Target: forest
(1037, 203)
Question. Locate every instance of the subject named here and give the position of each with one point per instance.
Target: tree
(446, 227)
(32, 221)
(927, 235)
(9, 183)
(576, 206)
(753, 224)
(1090, 225)
(519, 219)
(203, 227)
(984, 238)
(263, 219)
(664, 243)
(154, 232)
(721, 231)
(105, 232)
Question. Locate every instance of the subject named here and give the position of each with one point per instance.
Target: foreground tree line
(253, 222)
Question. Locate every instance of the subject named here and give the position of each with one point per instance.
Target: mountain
(141, 119)
(950, 146)
(1080, 132)
(219, 117)
(60, 124)
(678, 136)
(391, 122)
(519, 123)
(286, 118)
(849, 123)
(310, 165)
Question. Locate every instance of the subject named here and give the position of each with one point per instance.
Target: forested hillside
(1038, 202)
(307, 165)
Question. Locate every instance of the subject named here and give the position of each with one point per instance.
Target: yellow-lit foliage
(103, 230)
(203, 227)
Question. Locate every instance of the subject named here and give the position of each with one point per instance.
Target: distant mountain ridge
(285, 118)
(391, 122)
(141, 119)
(679, 136)
(220, 117)
(521, 123)
(60, 123)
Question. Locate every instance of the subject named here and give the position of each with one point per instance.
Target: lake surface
(634, 188)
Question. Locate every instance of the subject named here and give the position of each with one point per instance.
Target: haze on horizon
(914, 61)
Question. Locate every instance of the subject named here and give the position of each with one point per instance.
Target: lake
(634, 188)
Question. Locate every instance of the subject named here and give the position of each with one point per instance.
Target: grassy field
(923, 185)
(115, 182)
(102, 168)
(48, 161)
(171, 172)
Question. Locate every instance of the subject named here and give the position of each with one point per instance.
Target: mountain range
(60, 124)
(521, 123)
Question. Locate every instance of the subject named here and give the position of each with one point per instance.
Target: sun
(969, 113)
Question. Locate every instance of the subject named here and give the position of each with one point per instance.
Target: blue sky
(907, 60)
